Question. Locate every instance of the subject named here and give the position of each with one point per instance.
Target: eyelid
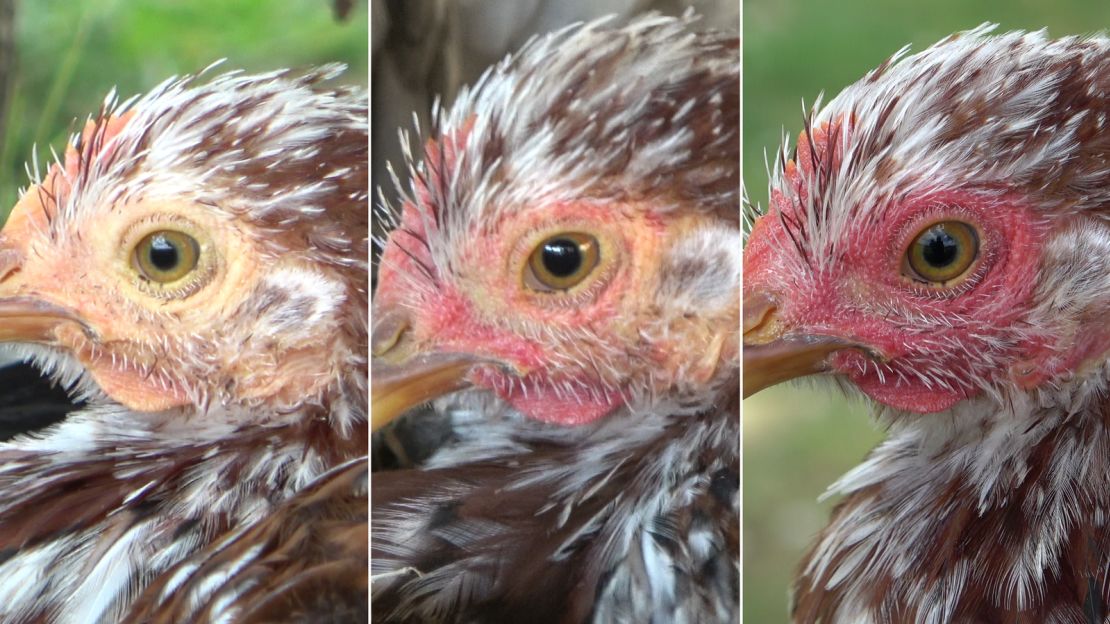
(150, 224)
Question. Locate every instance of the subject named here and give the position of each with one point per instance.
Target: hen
(940, 244)
(568, 257)
(195, 270)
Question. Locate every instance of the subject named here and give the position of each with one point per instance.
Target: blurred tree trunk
(342, 9)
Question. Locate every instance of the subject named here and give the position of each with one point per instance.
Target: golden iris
(166, 256)
(942, 252)
(562, 261)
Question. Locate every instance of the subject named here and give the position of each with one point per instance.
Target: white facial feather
(564, 120)
(210, 133)
(905, 140)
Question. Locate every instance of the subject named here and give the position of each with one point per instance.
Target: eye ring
(165, 256)
(562, 261)
(942, 253)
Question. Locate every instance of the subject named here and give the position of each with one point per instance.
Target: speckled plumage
(207, 407)
(631, 512)
(987, 500)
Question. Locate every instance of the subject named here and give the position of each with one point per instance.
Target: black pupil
(163, 254)
(939, 248)
(562, 257)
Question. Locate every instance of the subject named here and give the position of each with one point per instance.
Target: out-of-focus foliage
(69, 54)
(797, 439)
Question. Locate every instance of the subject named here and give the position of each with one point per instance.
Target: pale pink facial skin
(447, 318)
(628, 138)
(537, 343)
(484, 310)
(566, 357)
(975, 330)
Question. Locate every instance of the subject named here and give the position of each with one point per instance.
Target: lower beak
(26, 319)
(787, 358)
(395, 389)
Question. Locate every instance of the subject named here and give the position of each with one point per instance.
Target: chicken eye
(942, 252)
(562, 261)
(166, 256)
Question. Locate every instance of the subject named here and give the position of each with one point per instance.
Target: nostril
(10, 262)
(387, 331)
(761, 321)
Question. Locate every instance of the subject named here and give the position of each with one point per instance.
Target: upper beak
(772, 356)
(400, 380)
(26, 319)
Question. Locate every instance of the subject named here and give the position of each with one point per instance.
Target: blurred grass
(797, 439)
(70, 54)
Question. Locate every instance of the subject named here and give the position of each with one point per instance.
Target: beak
(400, 379)
(26, 319)
(771, 356)
(394, 389)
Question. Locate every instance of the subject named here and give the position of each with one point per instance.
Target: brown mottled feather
(311, 564)
(509, 534)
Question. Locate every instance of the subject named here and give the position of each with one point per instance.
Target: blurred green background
(68, 54)
(798, 439)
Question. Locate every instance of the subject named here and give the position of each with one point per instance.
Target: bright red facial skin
(865, 296)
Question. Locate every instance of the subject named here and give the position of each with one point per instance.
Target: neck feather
(95, 507)
(992, 508)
